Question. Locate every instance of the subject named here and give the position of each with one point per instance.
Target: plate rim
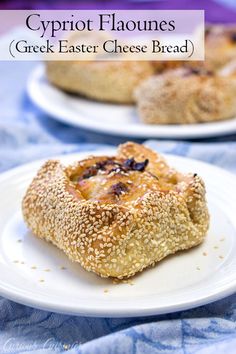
(89, 310)
(204, 130)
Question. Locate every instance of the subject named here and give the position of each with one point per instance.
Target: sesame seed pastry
(186, 96)
(117, 215)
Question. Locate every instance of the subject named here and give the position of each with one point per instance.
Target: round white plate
(36, 273)
(121, 120)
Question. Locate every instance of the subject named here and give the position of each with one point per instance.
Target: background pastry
(107, 81)
(111, 81)
(185, 96)
(220, 48)
(220, 45)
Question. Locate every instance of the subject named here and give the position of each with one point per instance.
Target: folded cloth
(27, 134)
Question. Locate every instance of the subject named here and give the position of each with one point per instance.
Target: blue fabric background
(27, 134)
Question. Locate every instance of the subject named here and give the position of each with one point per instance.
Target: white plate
(112, 119)
(182, 281)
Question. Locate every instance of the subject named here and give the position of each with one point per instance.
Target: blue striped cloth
(27, 134)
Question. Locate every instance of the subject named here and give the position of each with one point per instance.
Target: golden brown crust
(186, 96)
(112, 230)
(112, 81)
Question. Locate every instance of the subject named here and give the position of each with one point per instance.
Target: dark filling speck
(89, 172)
(93, 170)
(208, 31)
(140, 166)
(131, 164)
(113, 166)
(102, 165)
(118, 188)
(198, 71)
(233, 37)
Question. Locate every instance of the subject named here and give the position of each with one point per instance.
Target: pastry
(186, 96)
(162, 66)
(117, 215)
(109, 81)
(220, 48)
(220, 45)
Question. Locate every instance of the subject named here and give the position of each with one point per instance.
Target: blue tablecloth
(27, 134)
